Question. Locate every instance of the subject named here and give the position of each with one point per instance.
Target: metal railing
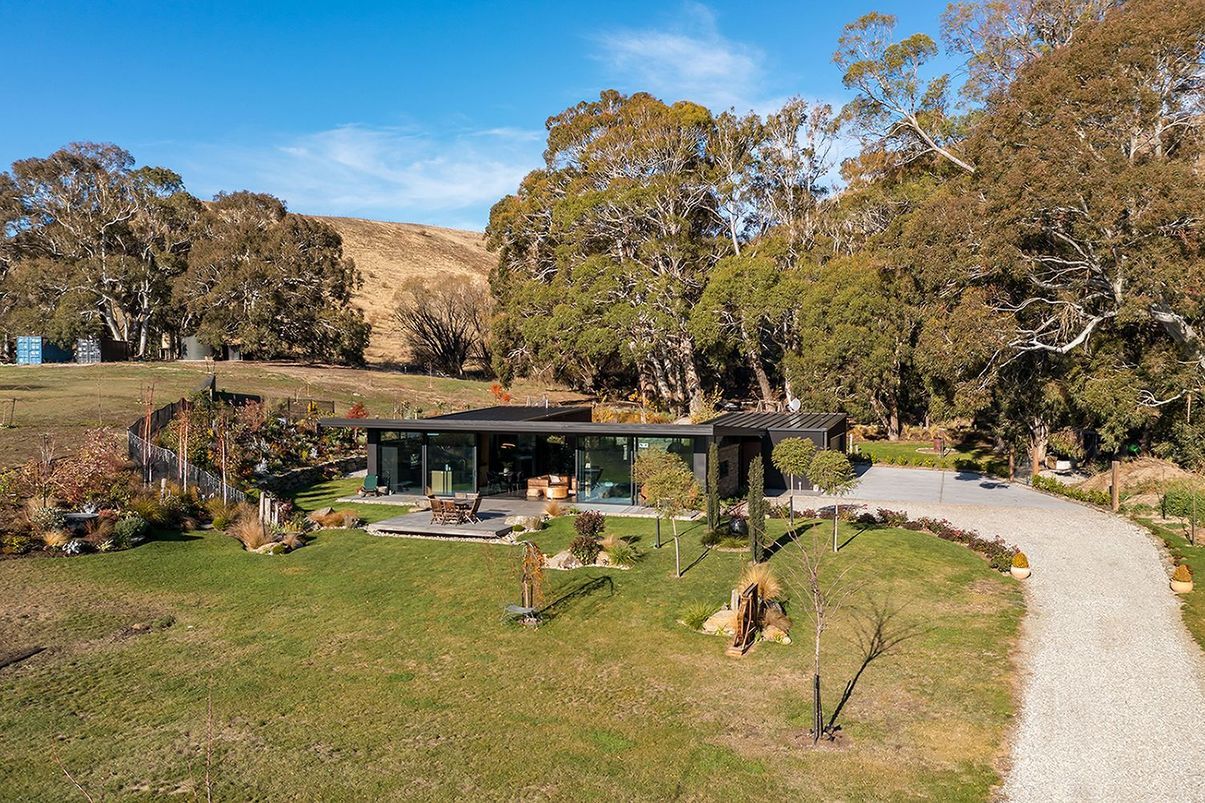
(159, 464)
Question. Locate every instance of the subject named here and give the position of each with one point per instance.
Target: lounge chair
(370, 486)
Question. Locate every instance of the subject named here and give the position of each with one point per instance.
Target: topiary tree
(793, 457)
(833, 474)
(756, 508)
(669, 485)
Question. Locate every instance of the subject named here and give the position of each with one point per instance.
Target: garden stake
(677, 559)
(658, 544)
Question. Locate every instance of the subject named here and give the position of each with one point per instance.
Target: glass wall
(604, 469)
(401, 465)
(451, 462)
(682, 447)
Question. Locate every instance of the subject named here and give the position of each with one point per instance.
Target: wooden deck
(494, 512)
(492, 526)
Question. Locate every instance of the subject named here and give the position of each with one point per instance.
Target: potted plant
(1182, 579)
(1020, 568)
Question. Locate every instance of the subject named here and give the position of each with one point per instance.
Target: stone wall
(730, 484)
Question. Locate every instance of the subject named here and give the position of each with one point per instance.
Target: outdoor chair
(471, 513)
(370, 487)
(439, 510)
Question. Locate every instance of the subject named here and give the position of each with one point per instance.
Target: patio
(493, 514)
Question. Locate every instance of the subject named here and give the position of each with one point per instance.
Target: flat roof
(808, 422)
(512, 413)
(519, 419)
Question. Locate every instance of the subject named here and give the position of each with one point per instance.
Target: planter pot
(1020, 573)
(1181, 587)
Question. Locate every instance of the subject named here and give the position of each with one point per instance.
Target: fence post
(1116, 486)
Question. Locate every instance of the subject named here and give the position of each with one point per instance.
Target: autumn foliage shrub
(998, 553)
(1182, 574)
(585, 548)
(590, 523)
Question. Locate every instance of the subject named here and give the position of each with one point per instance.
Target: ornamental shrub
(585, 548)
(1020, 561)
(129, 530)
(590, 523)
(44, 518)
(1182, 574)
(15, 544)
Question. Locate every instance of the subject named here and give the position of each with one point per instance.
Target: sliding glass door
(451, 462)
(401, 463)
(604, 469)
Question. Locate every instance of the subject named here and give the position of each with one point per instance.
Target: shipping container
(35, 350)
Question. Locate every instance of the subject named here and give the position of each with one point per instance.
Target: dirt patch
(1146, 476)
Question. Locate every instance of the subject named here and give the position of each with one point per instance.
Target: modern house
(561, 453)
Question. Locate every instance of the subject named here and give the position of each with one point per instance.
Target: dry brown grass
(336, 518)
(391, 254)
(55, 539)
(768, 586)
(553, 508)
(1146, 475)
(250, 532)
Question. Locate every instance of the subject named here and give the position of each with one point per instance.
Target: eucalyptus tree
(626, 210)
(94, 243)
(999, 37)
(275, 283)
(896, 105)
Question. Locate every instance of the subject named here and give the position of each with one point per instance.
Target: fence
(158, 463)
(163, 464)
(294, 409)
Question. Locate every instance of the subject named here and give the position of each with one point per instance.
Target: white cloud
(386, 173)
(691, 61)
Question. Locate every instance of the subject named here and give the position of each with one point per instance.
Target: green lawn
(327, 494)
(1194, 556)
(379, 668)
(920, 453)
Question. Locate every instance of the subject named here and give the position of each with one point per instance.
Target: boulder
(775, 634)
(315, 515)
(722, 621)
(274, 548)
(563, 560)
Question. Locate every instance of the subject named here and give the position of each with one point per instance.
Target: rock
(722, 621)
(775, 634)
(274, 548)
(603, 559)
(320, 512)
(563, 560)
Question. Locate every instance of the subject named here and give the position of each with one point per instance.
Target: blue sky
(423, 112)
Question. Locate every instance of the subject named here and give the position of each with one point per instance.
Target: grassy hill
(390, 254)
(65, 400)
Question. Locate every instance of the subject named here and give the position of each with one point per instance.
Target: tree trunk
(695, 399)
(1039, 439)
(893, 422)
(759, 370)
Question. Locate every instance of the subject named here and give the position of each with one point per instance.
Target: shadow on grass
(779, 543)
(580, 591)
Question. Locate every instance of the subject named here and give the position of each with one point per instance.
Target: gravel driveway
(1113, 696)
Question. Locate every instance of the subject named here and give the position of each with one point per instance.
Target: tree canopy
(91, 244)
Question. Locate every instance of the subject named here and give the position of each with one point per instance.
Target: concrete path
(1113, 695)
